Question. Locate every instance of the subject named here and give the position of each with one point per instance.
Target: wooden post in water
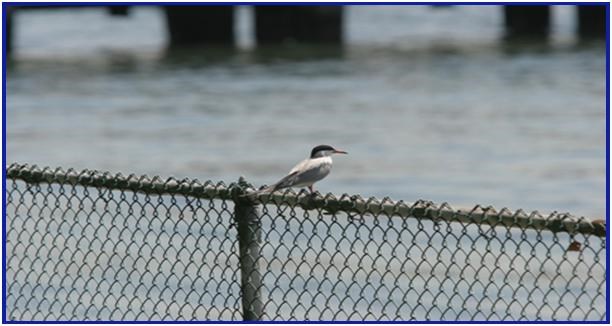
(200, 25)
(527, 21)
(8, 28)
(591, 21)
(301, 24)
(119, 10)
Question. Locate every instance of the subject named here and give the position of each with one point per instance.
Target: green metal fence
(95, 246)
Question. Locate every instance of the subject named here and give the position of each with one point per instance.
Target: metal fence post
(246, 214)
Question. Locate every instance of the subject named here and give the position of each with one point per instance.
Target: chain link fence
(86, 246)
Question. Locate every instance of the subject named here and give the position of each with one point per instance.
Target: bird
(307, 172)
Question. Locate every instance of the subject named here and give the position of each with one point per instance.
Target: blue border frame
(238, 3)
(608, 161)
(5, 5)
(4, 284)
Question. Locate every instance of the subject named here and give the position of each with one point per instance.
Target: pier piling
(591, 21)
(200, 25)
(122, 11)
(8, 29)
(300, 24)
(527, 21)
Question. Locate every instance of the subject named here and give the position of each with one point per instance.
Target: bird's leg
(311, 190)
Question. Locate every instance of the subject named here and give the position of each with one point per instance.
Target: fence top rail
(554, 222)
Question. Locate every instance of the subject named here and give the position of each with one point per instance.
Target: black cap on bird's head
(324, 150)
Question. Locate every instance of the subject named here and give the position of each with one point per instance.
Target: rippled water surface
(430, 103)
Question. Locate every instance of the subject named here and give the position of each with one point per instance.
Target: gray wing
(286, 182)
(307, 175)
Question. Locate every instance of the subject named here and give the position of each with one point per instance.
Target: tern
(307, 172)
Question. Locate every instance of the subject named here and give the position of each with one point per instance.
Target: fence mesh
(95, 246)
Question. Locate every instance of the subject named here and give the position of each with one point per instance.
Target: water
(429, 103)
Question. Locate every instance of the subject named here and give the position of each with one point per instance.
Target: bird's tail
(266, 190)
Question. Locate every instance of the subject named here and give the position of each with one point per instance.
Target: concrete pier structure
(202, 25)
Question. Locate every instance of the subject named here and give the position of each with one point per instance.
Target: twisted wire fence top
(555, 222)
(88, 245)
